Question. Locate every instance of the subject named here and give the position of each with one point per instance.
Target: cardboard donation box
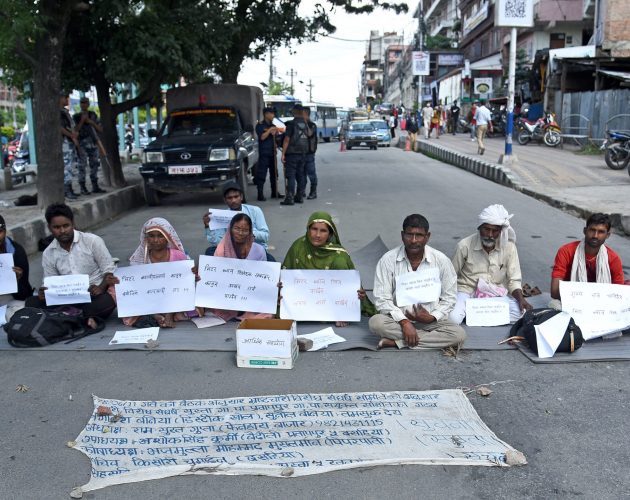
(266, 343)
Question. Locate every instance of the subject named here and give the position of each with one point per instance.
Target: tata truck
(206, 140)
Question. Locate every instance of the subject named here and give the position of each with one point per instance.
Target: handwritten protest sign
(419, 287)
(8, 279)
(220, 219)
(238, 284)
(68, 289)
(285, 435)
(488, 311)
(137, 336)
(597, 308)
(315, 295)
(164, 287)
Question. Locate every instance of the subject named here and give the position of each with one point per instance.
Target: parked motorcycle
(544, 129)
(19, 164)
(617, 146)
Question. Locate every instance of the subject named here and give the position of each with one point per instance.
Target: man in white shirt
(420, 326)
(490, 255)
(427, 114)
(483, 120)
(76, 252)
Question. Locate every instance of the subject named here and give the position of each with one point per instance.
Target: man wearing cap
(487, 265)
(267, 133)
(295, 147)
(87, 126)
(69, 145)
(233, 197)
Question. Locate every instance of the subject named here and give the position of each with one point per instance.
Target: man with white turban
(487, 265)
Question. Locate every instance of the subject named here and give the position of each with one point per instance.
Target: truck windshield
(201, 122)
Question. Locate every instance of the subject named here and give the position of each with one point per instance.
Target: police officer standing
(87, 126)
(295, 147)
(311, 172)
(69, 145)
(267, 133)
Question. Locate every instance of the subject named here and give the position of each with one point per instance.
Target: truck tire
(242, 180)
(151, 196)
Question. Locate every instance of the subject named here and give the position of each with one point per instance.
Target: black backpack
(33, 327)
(298, 140)
(524, 327)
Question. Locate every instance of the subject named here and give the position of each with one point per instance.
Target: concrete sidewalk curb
(87, 214)
(504, 176)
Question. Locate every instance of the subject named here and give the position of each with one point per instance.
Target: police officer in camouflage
(69, 145)
(295, 147)
(88, 126)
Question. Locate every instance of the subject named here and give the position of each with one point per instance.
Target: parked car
(382, 132)
(361, 133)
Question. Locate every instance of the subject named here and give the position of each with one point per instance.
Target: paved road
(569, 420)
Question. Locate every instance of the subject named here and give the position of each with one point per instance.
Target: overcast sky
(333, 65)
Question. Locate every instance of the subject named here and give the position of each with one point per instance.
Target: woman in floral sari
(320, 248)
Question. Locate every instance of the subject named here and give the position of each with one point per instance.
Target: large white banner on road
(284, 435)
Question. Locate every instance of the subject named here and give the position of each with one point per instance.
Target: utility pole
(270, 67)
(310, 90)
(292, 73)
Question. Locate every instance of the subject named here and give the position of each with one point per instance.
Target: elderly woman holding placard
(320, 248)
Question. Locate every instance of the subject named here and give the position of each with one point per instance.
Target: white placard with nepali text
(220, 218)
(164, 287)
(8, 279)
(597, 308)
(238, 284)
(488, 311)
(314, 295)
(418, 287)
(67, 289)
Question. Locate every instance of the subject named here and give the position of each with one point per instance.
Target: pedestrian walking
(311, 169)
(295, 147)
(483, 120)
(69, 146)
(87, 127)
(435, 122)
(471, 120)
(412, 131)
(267, 133)
(454, 117)
(427, 114)
(392, 125)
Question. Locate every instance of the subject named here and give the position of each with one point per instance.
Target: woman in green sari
(320, 248)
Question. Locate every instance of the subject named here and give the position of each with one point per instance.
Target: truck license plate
(184, 170)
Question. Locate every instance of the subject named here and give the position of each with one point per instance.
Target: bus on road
(324, 115)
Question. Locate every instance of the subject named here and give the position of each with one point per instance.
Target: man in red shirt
(588, 260)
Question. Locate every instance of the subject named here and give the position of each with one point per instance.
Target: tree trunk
(110, 134)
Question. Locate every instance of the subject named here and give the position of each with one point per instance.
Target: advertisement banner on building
(483, 86)
(475, 18)
(450, 59)
(514, 13)
(420, 63)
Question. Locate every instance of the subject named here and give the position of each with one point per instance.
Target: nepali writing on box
(313, 295)
(155, 288)
(597, 308)
(238, 284)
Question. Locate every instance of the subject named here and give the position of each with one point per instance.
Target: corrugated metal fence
(600, 108)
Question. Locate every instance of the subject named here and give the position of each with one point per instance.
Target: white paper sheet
(139, 336)
(165, 287)
(493, 311)
(549, 334)
(220, 218)
(3, 315)
(8, 279)
(315, 295)
(279, 124)
(597, 308)
(208, 321)
(322, 338)
(419, 287)
(68, 289)
(238, 284)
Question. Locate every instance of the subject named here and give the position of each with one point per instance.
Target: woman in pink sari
(158, 243)
(238, 243)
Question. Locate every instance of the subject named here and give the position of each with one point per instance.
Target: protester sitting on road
(15, 301)
(233, 197)
(589, 260)
(159, 242)
(421, 326)
(320, 248)
(487, 264)
(75, 252)
(238, 243)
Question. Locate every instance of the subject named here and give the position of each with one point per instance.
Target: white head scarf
(141, 255)
(497, 215)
